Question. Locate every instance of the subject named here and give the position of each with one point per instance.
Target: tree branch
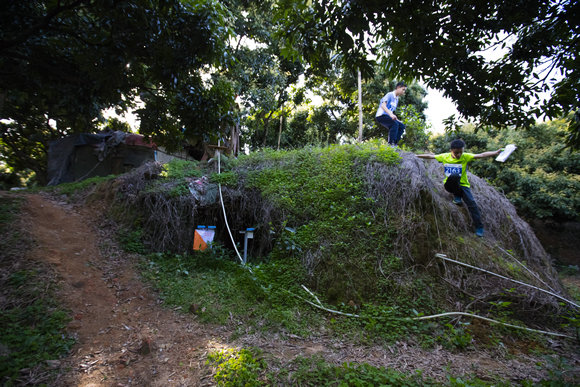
(43, 23)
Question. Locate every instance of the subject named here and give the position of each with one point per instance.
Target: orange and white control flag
(203, 237)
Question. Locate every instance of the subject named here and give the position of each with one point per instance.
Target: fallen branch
(320, 306)
(526, 268)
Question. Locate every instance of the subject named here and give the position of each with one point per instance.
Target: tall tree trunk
(360, 115)
(280, 130)
(266, 124)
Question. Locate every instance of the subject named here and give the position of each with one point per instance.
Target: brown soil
(126, 337)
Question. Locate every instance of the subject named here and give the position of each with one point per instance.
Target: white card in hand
(506, 153)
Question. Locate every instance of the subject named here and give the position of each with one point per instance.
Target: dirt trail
(126, 338)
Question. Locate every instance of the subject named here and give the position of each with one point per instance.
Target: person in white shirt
(386, 113)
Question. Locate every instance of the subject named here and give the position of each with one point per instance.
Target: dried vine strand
(492, 321)
(445, 258)
(319, 305)
(526, 268)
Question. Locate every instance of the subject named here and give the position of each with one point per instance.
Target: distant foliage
(415, 136)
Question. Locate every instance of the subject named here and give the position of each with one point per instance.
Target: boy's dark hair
(457, 144)
(400, 84)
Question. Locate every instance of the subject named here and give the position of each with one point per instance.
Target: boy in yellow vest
(455, 168)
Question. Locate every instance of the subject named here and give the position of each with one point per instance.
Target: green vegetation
(217, 289)
(322, 193)
(237, 367)
(249, 367)
(9, 209)
(33, 332)
(316, 372)
(31, 321)
(131, 240)
(179, 169)
(79, 186)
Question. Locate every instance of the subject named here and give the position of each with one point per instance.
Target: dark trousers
(452, 185)
(396, 128)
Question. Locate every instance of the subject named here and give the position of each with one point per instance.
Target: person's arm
(390, 113)
(487, 154)
(426, 156)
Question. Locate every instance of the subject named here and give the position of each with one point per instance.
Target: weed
(9, 208)
(315, 371)
(217, 289)
(79, 186)
(560, 371)
(131, 240)
(31, 335)
(179, 169)
(234, 368)
(456, 337)
(224, 178)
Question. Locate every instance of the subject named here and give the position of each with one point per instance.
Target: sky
(438, 108)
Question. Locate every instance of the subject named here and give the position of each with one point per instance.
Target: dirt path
(126, 338)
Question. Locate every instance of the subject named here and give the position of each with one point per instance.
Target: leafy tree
(444, 42)
(78, 57)
(260, 75)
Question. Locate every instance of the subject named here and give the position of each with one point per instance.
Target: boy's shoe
(457, 201)
(479, 232)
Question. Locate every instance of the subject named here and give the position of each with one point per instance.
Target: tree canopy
(78, 57)
(180, 64)
(445, 43)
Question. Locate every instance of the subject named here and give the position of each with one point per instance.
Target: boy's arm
(389, 112)
(487, 154)
(426, 156)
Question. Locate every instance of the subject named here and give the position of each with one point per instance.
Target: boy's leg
(388, 123)
(400, 131)
(472, 207)
(393, 130)
(452, 185)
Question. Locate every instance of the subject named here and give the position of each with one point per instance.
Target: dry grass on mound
(427, 223)
(168, 220)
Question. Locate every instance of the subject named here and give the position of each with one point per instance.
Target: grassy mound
(363, 221)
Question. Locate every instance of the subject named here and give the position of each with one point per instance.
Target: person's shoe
(457, 201)
(479, 232)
